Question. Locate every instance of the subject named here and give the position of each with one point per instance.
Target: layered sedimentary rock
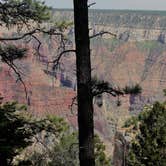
(127, 25)
(137, 55)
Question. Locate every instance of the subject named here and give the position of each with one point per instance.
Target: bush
(149, 146)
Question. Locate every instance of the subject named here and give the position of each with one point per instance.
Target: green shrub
(149, 146)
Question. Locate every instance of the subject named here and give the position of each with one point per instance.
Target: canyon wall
(137, 55)
(127, 25)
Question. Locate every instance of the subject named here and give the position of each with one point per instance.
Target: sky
(114, 4)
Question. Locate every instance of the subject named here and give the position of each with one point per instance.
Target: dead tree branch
(32, 33)
(91, 4)
(37, 30)
(20, 37)
(14, 68)
(74, 102)
(102, 33)
(56, 62)
(39, 44)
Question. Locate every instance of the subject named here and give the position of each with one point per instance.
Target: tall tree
(84, 91)
(19, 12)
(86, 87)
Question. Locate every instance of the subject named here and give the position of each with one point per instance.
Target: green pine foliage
(65, 153)
(101, 159)
(20, 12)
(149, 146)
(14, 136)
(10, 53)
(18, 128)
(135, 89)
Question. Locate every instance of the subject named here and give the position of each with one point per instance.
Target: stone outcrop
(138, 57)
(129, 63)
(127, 25)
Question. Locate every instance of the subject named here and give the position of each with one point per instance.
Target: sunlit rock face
(43, 97)
(137, 55)
(48, 91)
(127, 25)
(129, 63)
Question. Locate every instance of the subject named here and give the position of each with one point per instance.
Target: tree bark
(84, 92)
(3, 160)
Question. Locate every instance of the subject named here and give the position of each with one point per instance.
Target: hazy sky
(114, 4)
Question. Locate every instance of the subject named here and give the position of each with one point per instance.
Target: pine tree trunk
(3, 160)
(84, 93)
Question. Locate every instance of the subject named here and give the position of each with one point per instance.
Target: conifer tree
(149, 146)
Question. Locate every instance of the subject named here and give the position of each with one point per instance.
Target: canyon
(136, 56)
(128, 25)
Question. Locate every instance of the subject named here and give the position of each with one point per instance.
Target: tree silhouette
(86, 87)
(24, 12)
(84, 91)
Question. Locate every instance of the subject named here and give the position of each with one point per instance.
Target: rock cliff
(137, 55)
(127, 25)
